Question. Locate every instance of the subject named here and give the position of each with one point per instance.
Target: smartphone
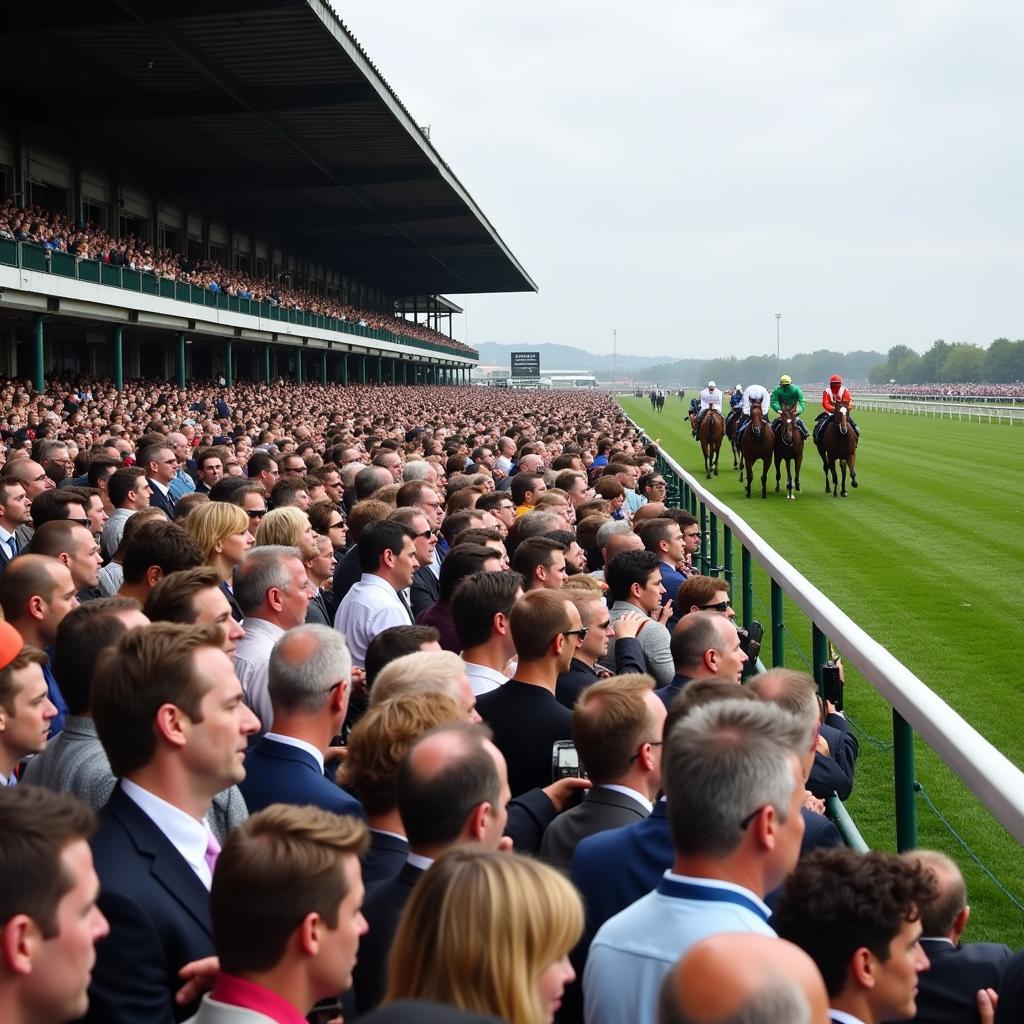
(565, 760)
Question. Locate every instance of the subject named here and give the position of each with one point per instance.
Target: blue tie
(13, 545)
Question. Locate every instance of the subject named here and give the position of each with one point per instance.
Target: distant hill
(564, 357)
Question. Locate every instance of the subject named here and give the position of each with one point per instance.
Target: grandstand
(226, 189)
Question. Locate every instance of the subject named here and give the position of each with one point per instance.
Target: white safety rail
(945, 410)
(992, 777)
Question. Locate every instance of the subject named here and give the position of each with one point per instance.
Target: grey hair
(261, 569)
(795, 692)
(781, 1001)
(416, 470)
(536, 524)
(723, 761)
(49, 446)
(608, 530)
(348, 472)
(302, 685)
(419, 672)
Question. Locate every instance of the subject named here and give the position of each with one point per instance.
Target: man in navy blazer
(948, 993)
(161, 467)
(169, 712)
(309, 684)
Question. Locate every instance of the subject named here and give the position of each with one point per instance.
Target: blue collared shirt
(633, 951)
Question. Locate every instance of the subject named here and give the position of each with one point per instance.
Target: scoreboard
(526, 364)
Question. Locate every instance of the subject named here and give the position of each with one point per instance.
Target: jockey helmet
(785, 379)
(739, 387)
(711, 385)
(835, 379)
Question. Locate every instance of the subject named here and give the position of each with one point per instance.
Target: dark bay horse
(732, 421)
(712, 430)
(837, 442)
(789, 448)
(757, 444)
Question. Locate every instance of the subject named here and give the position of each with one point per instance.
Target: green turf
(926, 556)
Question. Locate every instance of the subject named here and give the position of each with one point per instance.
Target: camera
(750, 645)
(832, 684)
(565, 761)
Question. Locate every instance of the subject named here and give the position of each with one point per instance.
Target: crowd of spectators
(87, 241)
(945, 390)
(410, 704)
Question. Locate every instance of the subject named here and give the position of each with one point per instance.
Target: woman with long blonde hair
(290, 527)
(489, 932)
(222, 531)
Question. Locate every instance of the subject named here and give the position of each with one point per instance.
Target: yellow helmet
(785, 379)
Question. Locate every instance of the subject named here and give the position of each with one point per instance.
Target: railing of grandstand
(960, 410)
(60, 264)
(993, 778)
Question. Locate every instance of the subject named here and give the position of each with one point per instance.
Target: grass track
(927, 556)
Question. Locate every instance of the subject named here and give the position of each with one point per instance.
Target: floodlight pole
(778, 333)
(615, 339)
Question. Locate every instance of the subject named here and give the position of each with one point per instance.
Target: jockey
(754, 395)
(789, 395)
(835, 395)
(736, 398)
(710, 398)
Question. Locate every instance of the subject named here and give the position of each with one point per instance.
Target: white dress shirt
(633, 794)
(844, 1018)
(188, 836)
(483, 679)
(252, 656)
(370, 607)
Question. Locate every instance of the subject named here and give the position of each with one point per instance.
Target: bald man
(309, 682)
(753, 978)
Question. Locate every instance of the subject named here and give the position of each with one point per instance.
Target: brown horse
(712, 430)
(789, 448)
(757, 445)
(837, 442)
(732, 421)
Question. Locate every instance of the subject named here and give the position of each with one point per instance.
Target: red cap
(835, 379)
(11, 644)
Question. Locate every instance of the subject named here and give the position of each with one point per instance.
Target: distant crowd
(84, 240)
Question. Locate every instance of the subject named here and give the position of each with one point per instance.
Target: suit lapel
(610, 798)
(167, 866)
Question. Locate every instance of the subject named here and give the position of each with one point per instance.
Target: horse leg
(778, 471)
(852, 460)
(842, 467)
(766, 462)
(798, 457)
(749, 466)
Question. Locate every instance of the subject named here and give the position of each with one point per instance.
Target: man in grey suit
(616, 726)
(299, 947)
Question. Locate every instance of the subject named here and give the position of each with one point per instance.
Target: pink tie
(212, 851)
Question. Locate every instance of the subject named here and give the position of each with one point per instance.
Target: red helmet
(835, 379)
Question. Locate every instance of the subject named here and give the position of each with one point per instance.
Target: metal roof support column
(266, 364)
(38, 374)
(119, 357)
(181, 361)
(380, 370)
(323, 366)
(344, 368)
(298, 366)
(362, 368)
(229, 364)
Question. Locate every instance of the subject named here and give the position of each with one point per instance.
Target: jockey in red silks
(835, 395)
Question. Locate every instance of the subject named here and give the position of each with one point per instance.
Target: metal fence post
(778, 637)
(819, 653)
(748, 588)
(903, 763)
(715, 568)
(727, 559)
(704, 560)
(119, 357)
(38, 360)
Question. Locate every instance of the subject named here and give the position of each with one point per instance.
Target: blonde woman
(488, 932)
(222, 531)
(289, 526)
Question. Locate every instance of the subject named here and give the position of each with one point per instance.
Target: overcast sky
(682, 171)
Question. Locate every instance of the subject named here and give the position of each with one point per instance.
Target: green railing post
(266, 364)
(747, 580)
(229, 367)
(181, 361)
(819, 653)
(119, 358)
(344, 369)
(298, 366)
(323, 366)
(713, 526)
(38, 374)
(778, 637)
(704, 560)
(362, 369)
(903, 763)
(727, 556)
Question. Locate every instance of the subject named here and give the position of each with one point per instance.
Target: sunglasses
(581, 632)
(257, 513)
(79, 522)
(419, 536)
(722, 606)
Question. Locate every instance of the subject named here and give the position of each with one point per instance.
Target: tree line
(765, 369)
(956, 362)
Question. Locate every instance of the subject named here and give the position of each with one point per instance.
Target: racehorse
(732, 421)
(789, 448)
(837, 442)
(757, 445)
(661, 401)
(712, 430)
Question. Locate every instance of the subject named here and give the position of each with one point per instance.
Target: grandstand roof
(268, 112)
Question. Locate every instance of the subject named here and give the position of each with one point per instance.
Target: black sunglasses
(257, 513)
(722, 606)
